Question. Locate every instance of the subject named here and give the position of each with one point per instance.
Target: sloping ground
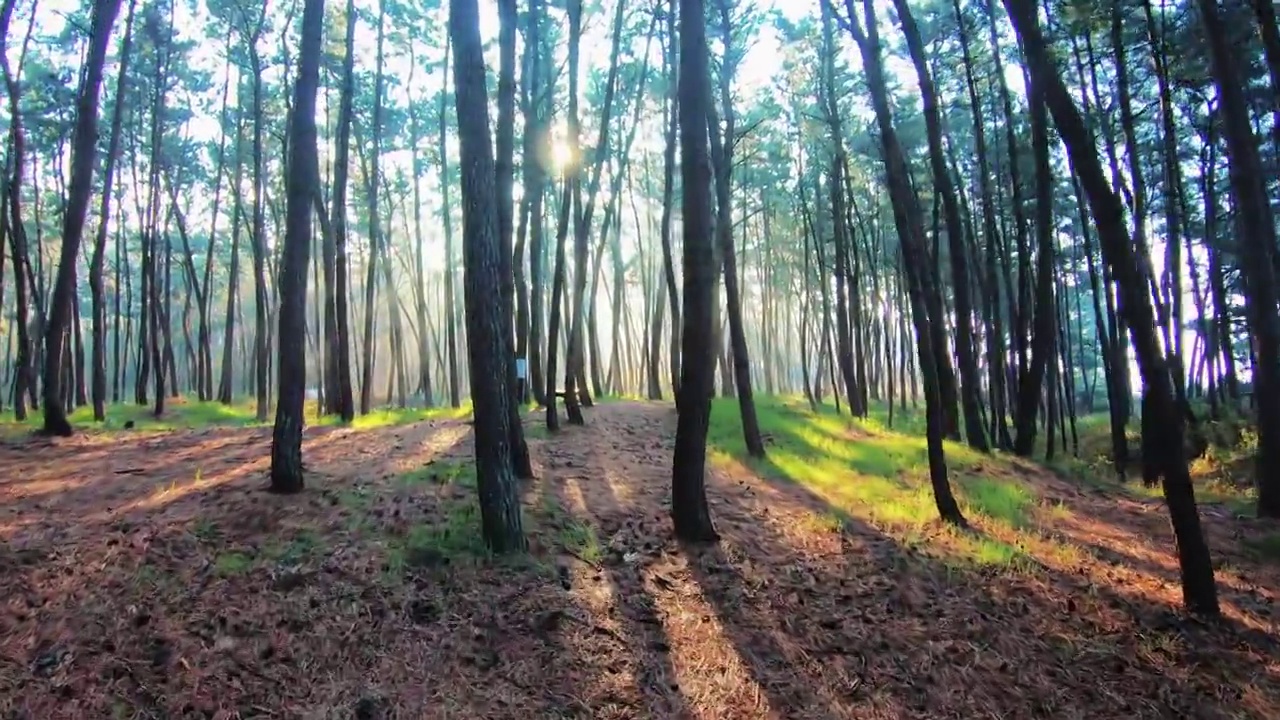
(150, 576)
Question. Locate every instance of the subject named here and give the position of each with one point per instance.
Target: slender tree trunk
(1199, 588)
(689, 510)
(504, 169)
(488, 320)
(671, 120)
(1031, 384)
(340, 395)
(24, 370)
(303, 182)
(98, 260)
(375, 228)
(911, 238)
(1258, 250)
(970, 385)
(451, 314)
(722, 160)
(83, 157)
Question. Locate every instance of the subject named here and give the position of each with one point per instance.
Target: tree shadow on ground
(625, 537)
(940, 638)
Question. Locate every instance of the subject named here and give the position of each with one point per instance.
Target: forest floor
(145, 573)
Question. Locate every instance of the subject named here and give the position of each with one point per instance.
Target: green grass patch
(304, 544)
(867, 473)
(441, 473)
(579, 539)
(179, 414)
(186, 414)
(230, 564)
(205, 530)
(390, 417)
(455, 539)
(1005, 500)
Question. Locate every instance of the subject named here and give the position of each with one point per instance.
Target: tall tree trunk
(257, 236)
(970, 385)
(303, 182)
(226, 383)
(504, 169)
(83, 157)
(907, 218)
(671, 119)
(24, 371)
(722, 164)
(488, 321)
(340, 396)
(451, 314)
(375, 228)
(98, 260)
(996, 354)
(534, 184)
(689, 510)
(1031, 384)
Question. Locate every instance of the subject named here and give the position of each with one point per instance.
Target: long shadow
(898, 617)
(632, 540)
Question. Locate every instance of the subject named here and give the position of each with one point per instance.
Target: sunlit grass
(185, 414)
(869, 474)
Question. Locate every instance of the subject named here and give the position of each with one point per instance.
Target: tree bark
(302, 182)
(488, 322)
(83, 159)
(970, 385)
(689, 510)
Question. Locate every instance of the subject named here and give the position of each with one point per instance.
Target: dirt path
(150, 576)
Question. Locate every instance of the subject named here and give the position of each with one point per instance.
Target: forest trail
(148, 575)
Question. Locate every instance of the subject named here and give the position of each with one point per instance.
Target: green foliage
(1266, 546)
(302, 546)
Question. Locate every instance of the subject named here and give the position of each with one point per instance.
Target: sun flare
(561, 155)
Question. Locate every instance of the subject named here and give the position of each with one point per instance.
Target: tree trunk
(83, 159)
(504, 169)
(488, 321)
(451, 315)
(98, 260)
(689, 510)
(970, 384)
(671, 125)
(1031, 384)
(257, 236)
(907, 218)
(340, 396)
(303, 180)
(722, 164)
(1258, 249)
(24, 371)
(375, 227)
(1198, 587)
